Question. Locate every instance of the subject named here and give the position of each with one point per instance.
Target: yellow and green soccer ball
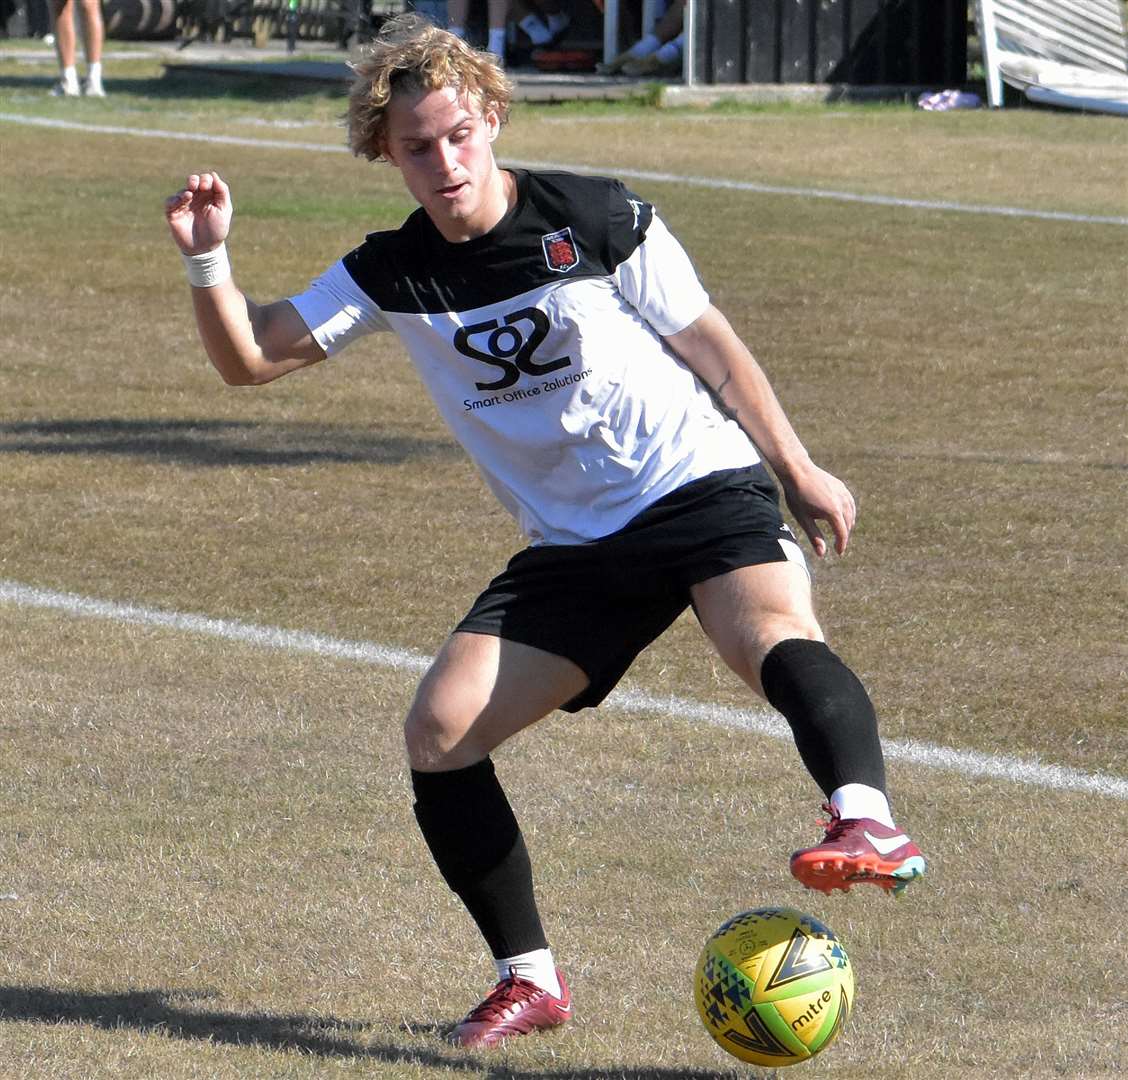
(774, 986)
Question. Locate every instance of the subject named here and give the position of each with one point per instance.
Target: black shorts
(600, 604)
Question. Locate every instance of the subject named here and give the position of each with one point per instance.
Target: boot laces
(835, 826)
(501, 999)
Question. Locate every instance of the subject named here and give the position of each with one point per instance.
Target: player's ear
(493, 124)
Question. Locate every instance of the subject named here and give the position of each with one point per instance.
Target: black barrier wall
(859, 42)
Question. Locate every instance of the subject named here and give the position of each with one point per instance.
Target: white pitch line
(714, 183)
(267, 637)
(1027, 772)
(176, 136)
(720, 184)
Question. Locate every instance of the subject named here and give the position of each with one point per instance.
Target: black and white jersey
(541, 343)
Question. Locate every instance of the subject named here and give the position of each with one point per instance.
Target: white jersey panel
(577, 454)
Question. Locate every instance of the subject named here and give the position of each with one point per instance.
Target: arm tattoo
(719, 397)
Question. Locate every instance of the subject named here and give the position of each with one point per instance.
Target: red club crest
(560, 252)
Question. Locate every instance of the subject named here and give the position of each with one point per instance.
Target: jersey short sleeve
(337, 310)
(659, 280)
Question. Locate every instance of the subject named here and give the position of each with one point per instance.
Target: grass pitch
(208, 848)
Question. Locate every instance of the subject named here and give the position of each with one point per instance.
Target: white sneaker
(63, 88)
(93, 89)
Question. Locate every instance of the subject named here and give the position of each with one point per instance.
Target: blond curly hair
(410, 55)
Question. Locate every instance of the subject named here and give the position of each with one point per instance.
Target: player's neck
(500, 198)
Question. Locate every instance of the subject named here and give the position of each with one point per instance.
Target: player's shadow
(156, 1011)
(219, 442)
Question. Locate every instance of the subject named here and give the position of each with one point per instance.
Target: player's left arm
(712, 350)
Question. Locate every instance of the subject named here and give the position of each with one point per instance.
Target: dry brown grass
(212, 846)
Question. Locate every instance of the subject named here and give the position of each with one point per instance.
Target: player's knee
(767, 635)
(425, 737)
(435, 739)
(786, 628)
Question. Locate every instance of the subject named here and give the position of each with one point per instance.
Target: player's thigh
(480, 690)
(746, 612)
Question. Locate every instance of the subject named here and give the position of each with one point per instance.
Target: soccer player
(94, 36)
(568, 343)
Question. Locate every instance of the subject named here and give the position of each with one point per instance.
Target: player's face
(442, 143)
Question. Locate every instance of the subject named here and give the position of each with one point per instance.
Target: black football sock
(477, 844)
(830, 714)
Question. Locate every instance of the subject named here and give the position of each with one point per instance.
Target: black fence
(858, 42)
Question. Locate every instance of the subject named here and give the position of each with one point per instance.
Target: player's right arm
(248, 343)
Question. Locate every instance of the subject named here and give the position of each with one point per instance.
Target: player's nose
(445, 158)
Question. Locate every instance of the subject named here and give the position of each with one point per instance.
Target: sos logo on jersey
(509, 346)
(560, 252)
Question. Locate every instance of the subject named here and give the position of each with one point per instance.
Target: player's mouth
(452, 191)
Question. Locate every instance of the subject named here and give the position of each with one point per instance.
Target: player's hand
(199, 215)
(813, 496)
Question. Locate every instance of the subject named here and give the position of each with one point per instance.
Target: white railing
(1088, 33)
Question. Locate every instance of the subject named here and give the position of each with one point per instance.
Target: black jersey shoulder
(393, 268)
(609, 219)
(564, 227)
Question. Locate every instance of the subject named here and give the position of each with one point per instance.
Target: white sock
(70, 75)
(536, 966)
(458, 31)
(496, 42)
(861, 801)
(644, 47)
(535, 28)
(94, 74)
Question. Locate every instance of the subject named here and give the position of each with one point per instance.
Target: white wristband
(208, 269)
